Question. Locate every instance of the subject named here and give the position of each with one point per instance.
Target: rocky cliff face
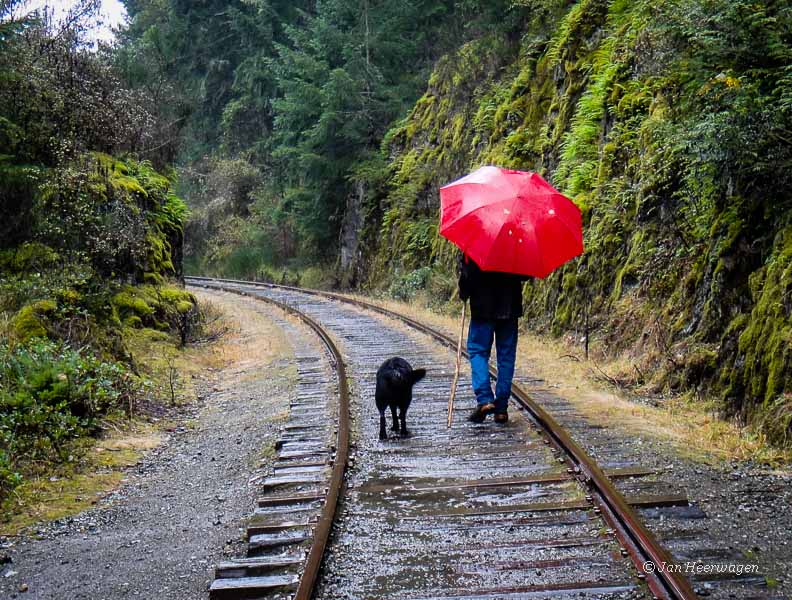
(669, 127)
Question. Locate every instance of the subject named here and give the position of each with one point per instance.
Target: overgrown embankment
(68, 306)
(668, 125)
(90, 243)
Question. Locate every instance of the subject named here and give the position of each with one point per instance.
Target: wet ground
(739, 514)
(475, 512)
(391, 539)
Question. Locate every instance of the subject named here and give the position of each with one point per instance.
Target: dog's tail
(416, 375)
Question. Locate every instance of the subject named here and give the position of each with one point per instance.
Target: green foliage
(51, 395)
(82, 219)
(668, 126)
(667, 123)
(405, 288)
(303, 97)
(316, 278)
(30, 256)
(437, 145)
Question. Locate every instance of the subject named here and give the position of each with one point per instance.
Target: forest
(304, 142)
(313, 147)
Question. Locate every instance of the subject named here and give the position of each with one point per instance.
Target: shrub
(405, 288)
(317, 278)
(51, 395)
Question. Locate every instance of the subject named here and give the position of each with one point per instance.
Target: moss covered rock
(133, 301)
(27, 257)
(159, 307)
(644, 124)
(765, 344)
(31, 320)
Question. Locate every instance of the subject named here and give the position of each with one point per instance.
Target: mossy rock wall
(624, 109)
(105, 249)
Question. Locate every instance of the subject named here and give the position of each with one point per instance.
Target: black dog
(395, 380)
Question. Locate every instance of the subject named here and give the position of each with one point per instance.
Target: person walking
(511, 226)
(495, 308)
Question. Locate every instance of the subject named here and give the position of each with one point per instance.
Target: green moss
(69, 296)
(183, 307)
(161, 325)
(148, 193)
(130, 177)
(159, 255)
(30, 256)
(30, 321)
(153, 278)
(766, 342)
(133, 321)
(153, 306)
(132, 302)
(174, 295)
(701, 363)
(674, 247)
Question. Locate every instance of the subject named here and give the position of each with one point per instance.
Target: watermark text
(697, 568)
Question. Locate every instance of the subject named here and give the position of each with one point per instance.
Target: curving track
(473, 512)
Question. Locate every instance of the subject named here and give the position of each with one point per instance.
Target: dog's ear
(417, 374)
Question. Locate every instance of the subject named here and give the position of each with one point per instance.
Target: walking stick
(456, 371)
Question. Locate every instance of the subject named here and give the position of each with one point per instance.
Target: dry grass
(691, 426)
(262, 340)
(174, 373)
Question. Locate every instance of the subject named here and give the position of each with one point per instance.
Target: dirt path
(161, 533)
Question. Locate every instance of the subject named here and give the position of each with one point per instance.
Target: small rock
(23, 587)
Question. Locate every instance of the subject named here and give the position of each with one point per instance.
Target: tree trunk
(350, 235)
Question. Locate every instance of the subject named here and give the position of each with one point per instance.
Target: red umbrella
(511, 221)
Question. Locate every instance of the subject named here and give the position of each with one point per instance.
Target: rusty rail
(325, 524)
(640, 544)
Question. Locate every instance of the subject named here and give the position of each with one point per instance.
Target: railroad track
(474, 512)
(312, 456)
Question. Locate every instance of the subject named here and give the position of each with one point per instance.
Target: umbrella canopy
(511, 221)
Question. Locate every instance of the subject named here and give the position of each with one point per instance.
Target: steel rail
(640, 544)
(324, 525)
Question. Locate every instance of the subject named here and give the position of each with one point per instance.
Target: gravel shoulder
(182, 507)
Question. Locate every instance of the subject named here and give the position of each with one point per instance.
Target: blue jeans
(479, 346)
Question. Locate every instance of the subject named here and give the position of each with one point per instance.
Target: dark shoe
(502, 418)
(481, 412)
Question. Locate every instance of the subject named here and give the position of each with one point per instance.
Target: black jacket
(492, 295)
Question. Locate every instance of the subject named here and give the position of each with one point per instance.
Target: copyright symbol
(649, 567)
